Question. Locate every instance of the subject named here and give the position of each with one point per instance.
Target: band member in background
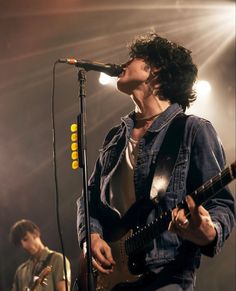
(44, 268)
(159, 78)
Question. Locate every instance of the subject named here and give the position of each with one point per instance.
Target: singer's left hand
(198, 229)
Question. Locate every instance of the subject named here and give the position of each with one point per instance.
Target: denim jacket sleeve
(93, 190)
(94, 194)
(207, 160)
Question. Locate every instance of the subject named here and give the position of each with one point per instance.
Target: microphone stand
(82, 149)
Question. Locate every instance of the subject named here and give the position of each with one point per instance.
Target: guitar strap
(46, 262)
(162, 167)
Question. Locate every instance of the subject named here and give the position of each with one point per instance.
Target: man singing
(159, 78)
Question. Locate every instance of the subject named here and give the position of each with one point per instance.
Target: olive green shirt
(26, 271)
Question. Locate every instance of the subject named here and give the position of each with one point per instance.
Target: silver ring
(186, 222)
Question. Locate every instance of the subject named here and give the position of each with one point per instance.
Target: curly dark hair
(177, 71)
(19, 230)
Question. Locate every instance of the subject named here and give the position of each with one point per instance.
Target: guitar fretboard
(144, 235)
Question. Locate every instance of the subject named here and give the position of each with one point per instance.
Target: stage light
(201, 106)
(104, 79)
(202, 88)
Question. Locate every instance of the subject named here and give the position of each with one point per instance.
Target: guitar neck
(139, 239)
(209, 189)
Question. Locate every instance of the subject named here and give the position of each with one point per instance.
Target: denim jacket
(201, 157)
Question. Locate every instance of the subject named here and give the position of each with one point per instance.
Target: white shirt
(122, 190)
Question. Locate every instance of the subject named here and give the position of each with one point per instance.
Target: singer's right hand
(102, 257)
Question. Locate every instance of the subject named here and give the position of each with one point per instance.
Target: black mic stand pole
(82, 149)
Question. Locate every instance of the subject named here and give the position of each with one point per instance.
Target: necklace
(147, 117)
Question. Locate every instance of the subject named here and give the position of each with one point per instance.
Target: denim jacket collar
(161, 121)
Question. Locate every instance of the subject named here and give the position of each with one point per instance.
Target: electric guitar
(39, 280)
(129, 239)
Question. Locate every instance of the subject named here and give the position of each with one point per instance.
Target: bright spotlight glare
(104, 79)
(202, 88)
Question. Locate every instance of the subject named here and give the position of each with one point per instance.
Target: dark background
(33, 35)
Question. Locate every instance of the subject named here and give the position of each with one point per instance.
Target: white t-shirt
(122, 192)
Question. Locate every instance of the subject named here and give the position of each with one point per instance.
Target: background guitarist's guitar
(129, 239)
(39, 280)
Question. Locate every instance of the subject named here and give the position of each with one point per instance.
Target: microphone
(112, 70)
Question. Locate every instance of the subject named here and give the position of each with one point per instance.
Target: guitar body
(121, 271)
(40, 278)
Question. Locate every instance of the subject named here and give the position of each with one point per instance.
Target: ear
(152, 77)
(154, 74)
(147, 68)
